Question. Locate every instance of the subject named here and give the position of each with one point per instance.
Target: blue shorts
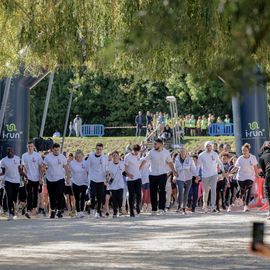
(146, 186)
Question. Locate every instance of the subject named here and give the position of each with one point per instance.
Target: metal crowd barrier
(93, 130)
(221, 130)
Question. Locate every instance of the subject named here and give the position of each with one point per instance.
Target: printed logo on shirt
(15, 162)
(213, 158)
(33, 160)
(59, 161)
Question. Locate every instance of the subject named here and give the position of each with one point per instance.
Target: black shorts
(68, 190)
(22, 194)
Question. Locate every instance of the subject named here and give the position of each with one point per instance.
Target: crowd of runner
(141, 180)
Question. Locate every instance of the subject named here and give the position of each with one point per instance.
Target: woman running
(80, 182)
(246, 174)
(186, 169)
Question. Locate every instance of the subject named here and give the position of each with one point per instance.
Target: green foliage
(149, 39)
(114, 101)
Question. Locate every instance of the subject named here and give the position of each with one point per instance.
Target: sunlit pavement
(173, 241)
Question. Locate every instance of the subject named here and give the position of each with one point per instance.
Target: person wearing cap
(160, 163)
(209, 162)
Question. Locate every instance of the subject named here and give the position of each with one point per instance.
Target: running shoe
(246, 209)
(115, 216)
(52, 214)
(97, 215)
(229, 209)
(59, 214)
(214, 210)
(161, 212)
(27, 215)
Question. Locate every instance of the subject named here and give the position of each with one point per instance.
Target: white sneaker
(82, 215)
(154, 213)
(205, 209)
(79, 215)
(92, 214)
(229, 209)
(246, 209)
(97, 215)
(161, 212)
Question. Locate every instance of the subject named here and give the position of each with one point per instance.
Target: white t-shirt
(159, 161)
(97, 167)
(132, 163)
(145, 171)
(55, 165)
(31, 163)
(11, 166)
(116, 173)
(246, 168)
(209, 162)
(79, 173)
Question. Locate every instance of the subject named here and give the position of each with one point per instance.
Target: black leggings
(135, 192)
(96, 191)
(32, 194)
(245, 187)
(117, 200)
(12, 191)
(79, 194)
(221, 185)
(56, 194)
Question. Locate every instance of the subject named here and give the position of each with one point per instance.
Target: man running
(209, 162)
(97, 164)
(11, 170)
(159, 159)
(56, 168)
(32, 165)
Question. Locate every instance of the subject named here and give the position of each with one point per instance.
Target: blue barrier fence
(93, 130)
(221, 130)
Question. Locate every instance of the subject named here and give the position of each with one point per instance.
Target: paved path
(197, 242)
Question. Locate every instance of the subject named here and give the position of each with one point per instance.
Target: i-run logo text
(254, 130)
(11, 132)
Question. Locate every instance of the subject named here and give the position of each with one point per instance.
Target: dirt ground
(196, 241)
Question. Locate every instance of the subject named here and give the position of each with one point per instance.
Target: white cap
(207, 143)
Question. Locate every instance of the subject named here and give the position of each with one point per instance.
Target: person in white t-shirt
(11, 169)
(134, 182)
(55, 177)
(32, 165)
(186, 169)
(160, 164)
(97, 164)
(209, 162)
(80, 181)
(145, 185)
(246, 174)
(115, 180)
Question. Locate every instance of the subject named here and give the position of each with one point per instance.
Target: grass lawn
(87, 144)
